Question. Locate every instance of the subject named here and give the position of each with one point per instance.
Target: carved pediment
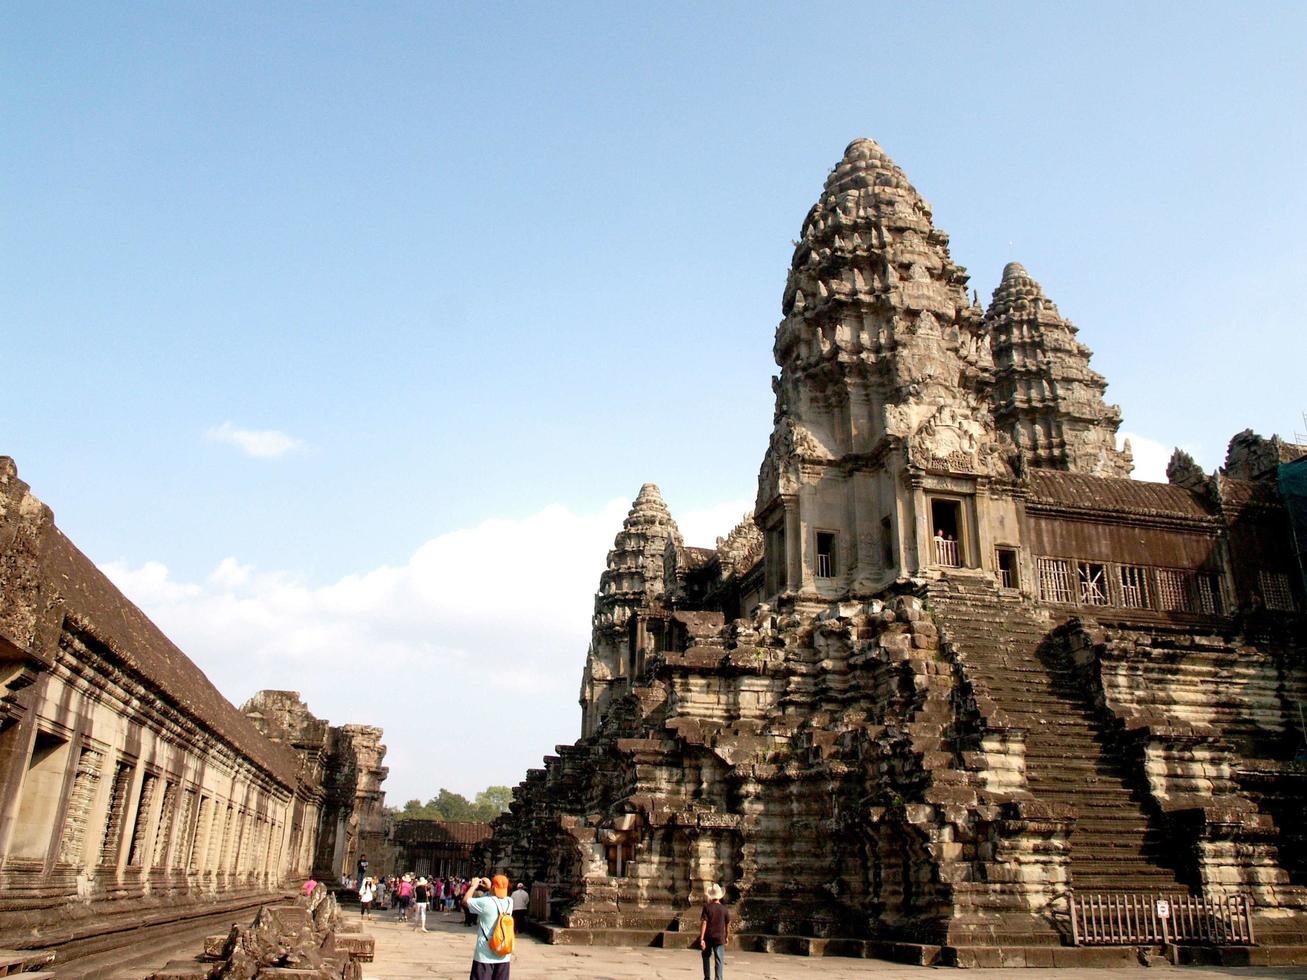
(954, 440)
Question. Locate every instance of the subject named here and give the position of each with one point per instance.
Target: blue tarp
(1293, 490)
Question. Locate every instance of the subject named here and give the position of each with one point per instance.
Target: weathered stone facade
(957, 665)
(131, 792)
(341, 768)
(354, 820)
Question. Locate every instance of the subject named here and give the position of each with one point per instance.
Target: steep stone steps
(1068, 758)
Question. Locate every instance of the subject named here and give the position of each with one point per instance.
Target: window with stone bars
(203, 829)
(1172, 590)
(111, 836)
(85, 783)
(228, 826)
(265, 849)
(260, 846)
(149, 785)
(1276, 591)
(275, 850)
(1134, 586)
(1056, 583)
(163, 836)
(1092, 580)
(243, 849)
(1207, 591)
(181, 854)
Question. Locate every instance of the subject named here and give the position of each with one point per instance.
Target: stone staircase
(1069, 757)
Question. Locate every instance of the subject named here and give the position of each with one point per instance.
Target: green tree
(494, 800)
(451, 806)
(448, 805)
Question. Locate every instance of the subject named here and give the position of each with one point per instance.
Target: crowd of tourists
(409, 897)
(483, 902)
(499, 915)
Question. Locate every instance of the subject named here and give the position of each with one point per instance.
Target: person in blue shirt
(487, 908)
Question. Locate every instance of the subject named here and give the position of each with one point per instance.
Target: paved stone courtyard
(446, 952)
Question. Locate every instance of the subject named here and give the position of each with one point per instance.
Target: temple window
(1275, 591)
(1207, 591)
(946, 532)
(42, 790)
(620, 856)
(111, 836)
(1134, 586)
(1055, 580)
(1171, 591)
(1092, 579)
(775, 558)
(826, 567)
(86, 781)
(1006, 560)
(141, 829)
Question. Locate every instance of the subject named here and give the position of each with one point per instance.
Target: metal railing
(1129, 920)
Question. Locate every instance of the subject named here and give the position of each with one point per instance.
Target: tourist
(367, 892)
(486, 965)
(470, 890)
(405, 894)
(520, 901)
(714, 932)
(421, 896)
(309, 886)
(381, 893)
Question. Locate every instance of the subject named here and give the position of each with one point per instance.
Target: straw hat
(713, 891)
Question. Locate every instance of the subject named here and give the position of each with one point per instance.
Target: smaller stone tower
(1046, 396)
(632, 580)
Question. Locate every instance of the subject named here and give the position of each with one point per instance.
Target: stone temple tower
(883, 431)
(632, 580)
(1046, 396)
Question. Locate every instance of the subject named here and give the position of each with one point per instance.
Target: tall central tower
(883, 396)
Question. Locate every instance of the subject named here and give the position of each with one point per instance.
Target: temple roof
(1081, 491)
(93, 602)
(422, 831)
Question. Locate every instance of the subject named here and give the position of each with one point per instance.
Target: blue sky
(487, 268)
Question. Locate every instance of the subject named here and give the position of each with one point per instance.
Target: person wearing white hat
(714, 932)
(421, 896)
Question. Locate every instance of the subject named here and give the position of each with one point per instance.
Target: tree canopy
(448, 805)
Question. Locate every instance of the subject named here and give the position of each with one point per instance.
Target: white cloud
(484, 627)
(1151, 456)
(260, 443)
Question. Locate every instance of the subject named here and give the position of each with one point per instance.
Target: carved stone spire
(879, 331)
(632, 578)
(1046, 396)
(635, 563)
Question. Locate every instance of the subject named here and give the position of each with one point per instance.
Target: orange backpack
(500, 940)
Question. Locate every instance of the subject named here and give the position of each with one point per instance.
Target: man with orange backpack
(495, 936)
